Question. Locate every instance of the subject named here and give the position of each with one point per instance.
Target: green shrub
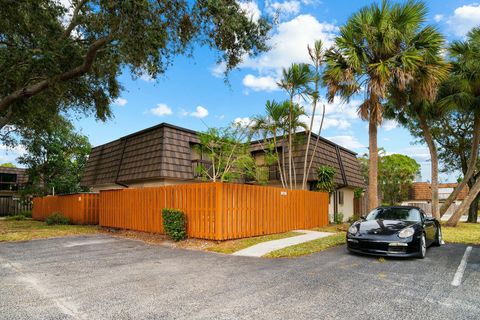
(353, 218)
(16, 217)
(26, 214)
(174, 224)
(338, 218)
(57, 218)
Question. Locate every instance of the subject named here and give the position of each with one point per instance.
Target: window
(340, 197)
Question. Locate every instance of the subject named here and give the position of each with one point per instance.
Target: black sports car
(398, 231)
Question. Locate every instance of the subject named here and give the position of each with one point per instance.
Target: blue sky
(193, 94)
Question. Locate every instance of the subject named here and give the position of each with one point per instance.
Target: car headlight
(353, 229)
(407, 232)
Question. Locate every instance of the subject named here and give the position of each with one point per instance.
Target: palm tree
(418, 102)
(378, 47)
(274, 126)
(462, 90)
(316, 56)
(295, 81)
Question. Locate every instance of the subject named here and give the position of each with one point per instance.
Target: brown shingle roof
(164, 151)
(423, 191)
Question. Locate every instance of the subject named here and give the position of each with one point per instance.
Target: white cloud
(289, 44)
(161, 110)
(218, 70)
(349, 142)
(389, 125)
(251, 9)
(246, 121)
(260, 83)
(200, 112)
(9, 154)
(289, 7)
(464, 19)
(438, 17)
(337, 114)
(120, 102)
(146, 77)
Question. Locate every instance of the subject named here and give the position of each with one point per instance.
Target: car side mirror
(363, 218)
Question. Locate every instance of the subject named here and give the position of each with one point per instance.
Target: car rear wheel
(438, 237)
(423, 247)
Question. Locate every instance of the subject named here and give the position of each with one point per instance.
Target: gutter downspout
(120, 165)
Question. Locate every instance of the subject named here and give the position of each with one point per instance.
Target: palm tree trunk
(472, 195)
(372, 164)
(471, 167)
(290, 143)
(316, 142)
(434, 160)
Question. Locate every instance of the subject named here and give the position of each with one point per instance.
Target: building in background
(12, 180)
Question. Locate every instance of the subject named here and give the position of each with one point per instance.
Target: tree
(227, 151)
(379, 47)
(462, 91)
(55, 158)
(55, 59)
(273, 130)
(396, 174)
(295, 81)
(316, 56)
(8, 165)
(325, 180)
(454, 134)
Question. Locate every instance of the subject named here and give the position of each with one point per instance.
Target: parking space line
(457, 279)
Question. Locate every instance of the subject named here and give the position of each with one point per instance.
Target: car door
(429, 227)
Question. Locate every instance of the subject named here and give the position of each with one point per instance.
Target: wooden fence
(216, 210)
(81, 208)
(12, 206)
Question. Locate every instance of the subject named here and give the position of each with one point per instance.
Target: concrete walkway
(263, 248)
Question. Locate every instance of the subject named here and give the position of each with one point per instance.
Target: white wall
(346, 208)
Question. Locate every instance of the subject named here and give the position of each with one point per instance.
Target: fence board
(81, 208)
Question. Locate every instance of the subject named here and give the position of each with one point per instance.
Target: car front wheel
(438, 237)
(423, 247)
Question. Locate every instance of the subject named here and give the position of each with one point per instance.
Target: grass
(236, 245)
(309, 247)
(467, 233)
(22, 230)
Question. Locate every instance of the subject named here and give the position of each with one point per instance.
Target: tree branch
(40, 86)
(73, 22)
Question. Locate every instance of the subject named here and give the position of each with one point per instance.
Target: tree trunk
(472, 195)
(434, 167)
(290, 144)
(372, 164)
(473, 210)
(471, 168)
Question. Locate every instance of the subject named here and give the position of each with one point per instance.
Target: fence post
(219, 211)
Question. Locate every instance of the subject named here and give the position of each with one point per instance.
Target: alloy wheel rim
(424, 247)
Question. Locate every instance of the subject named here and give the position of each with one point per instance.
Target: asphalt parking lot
(101, 277)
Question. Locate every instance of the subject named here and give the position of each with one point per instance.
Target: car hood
(383, 227)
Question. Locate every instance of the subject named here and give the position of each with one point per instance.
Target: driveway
(101, 277)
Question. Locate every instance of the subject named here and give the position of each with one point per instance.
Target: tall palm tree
(377, 48)
(418, 102)
(462, 90)
(295, 81)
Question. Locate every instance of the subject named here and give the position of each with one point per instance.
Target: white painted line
(457, 279)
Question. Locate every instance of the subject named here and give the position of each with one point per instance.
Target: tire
(422, 250)
(438, 237)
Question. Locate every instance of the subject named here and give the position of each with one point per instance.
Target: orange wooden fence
(216, 210)
(81, 208)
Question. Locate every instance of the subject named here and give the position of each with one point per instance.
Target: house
(420, 195)
(12, 180)
(165, 155)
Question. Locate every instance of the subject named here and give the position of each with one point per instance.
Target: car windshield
(407, 214)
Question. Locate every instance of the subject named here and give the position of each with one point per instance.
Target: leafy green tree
(396, 174)
(55, 59)
(8, 165)
(228, 153)
(380, 47)
(55, 158)
(325, 176)
(462, 92)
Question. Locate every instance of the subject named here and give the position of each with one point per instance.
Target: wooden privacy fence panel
(216, 210)
(81, 208)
